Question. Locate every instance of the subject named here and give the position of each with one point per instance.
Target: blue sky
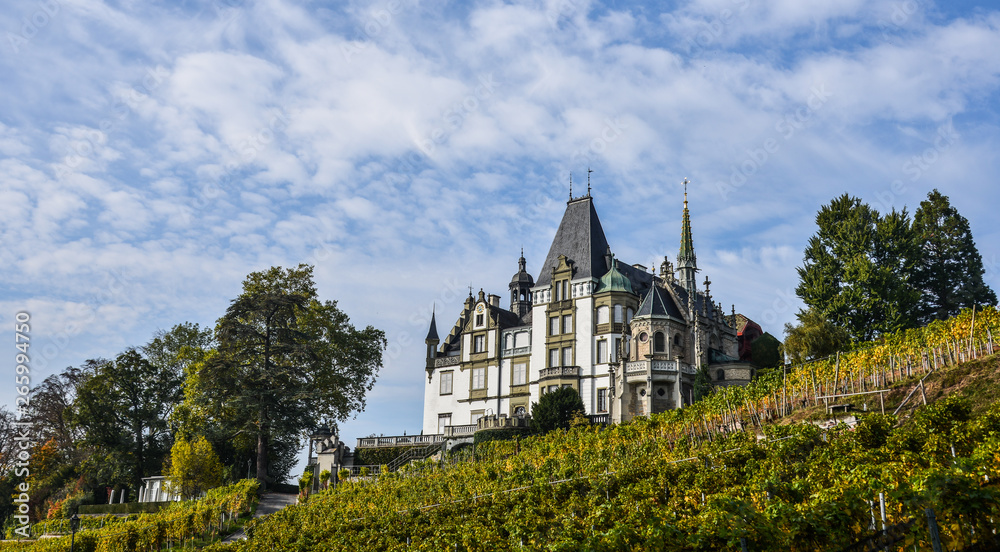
(154, 153)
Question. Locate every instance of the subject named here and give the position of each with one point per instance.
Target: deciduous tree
(193, 467)
(285, 362)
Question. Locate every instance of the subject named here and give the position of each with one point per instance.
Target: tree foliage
(766, 351)
(193, 467)
(857, 268)
(813, 337)
(285, 363)
(949, 272)
(556, 409)
(122, 407)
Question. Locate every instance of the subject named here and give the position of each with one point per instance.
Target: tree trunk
(262, 446)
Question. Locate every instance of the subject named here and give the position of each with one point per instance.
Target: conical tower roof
(581, 238)
(432, 332)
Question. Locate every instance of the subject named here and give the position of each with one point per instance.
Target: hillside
(649, 486)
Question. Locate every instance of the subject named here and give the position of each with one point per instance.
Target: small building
(154, 489)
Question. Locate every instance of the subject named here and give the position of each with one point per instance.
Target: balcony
(658, 366)
(441, 362)
(560, 372)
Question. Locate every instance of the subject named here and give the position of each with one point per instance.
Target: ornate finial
(686, 182)
(588, 180)
(470, 289)
(707, 284)
(571, 186)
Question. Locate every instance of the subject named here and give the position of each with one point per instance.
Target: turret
(520, 289)
(432, 342)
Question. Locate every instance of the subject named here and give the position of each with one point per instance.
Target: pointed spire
(432, 332)
(687, 263)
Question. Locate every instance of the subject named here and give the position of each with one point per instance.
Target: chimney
(494, 300)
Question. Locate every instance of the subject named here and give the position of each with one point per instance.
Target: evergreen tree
(857, 267)
(556, 409)
(949, 272)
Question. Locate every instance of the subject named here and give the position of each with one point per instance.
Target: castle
(629, 340)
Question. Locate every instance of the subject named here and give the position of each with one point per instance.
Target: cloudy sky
(153, 153)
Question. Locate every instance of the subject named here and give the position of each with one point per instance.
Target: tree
(856, 271)
(814, 337)
(556, 409)
(949, 272)
(193, 468)
(122, 407)
(766, 351)
(285, 363)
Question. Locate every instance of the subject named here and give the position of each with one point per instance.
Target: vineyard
(182, 524)
(728, 473)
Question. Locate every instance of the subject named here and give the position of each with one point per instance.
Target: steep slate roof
(581, 238)
(658, 303)
(432, 333)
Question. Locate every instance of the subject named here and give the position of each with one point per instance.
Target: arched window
(720, 375)
(677, 339)
(602, 315)
(628, 315)
(659, 342)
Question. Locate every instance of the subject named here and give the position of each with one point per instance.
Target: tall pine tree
(949, 271)
(857, 266)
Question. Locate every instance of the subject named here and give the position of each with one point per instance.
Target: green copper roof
(686, 252)
(614, 280)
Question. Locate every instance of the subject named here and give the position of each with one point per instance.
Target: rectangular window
(618, 314)
(567, 324)
(479, 378)
(553, 358)
(520, 374)
(446, 381)
(565, 285)
(567, 356)
(602, 400)
(554, 325)
(618, 348)
(475, 415)
(479, 344)
(602, 351)
(558, 289)
(444, 420)
(602, 315)
(479, 320)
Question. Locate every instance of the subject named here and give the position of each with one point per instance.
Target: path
(269, 504)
